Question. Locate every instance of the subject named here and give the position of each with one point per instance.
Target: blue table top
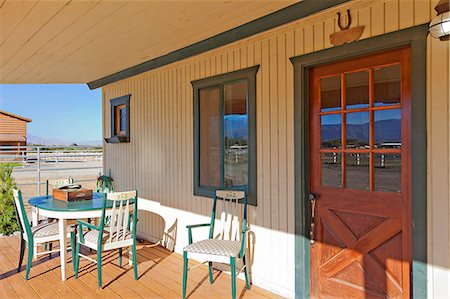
(51, 204)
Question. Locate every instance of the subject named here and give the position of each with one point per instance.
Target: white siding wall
(159, 160)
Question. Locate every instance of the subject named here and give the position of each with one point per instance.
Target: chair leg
(30, 259)
(50, 248)
(72, 246)
(185, 273)
(247, 281)
(22, 253)
(77, 258)
(120, 257)
(99, 267)
(233, 277)
(135, 261)
(210, 273)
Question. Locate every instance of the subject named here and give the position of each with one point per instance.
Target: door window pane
(357, 90)
(330, 93)
(210, 135)
(331, 170)
(331, 130)
(357, 171)
(388, 172)
(388, 128)
(357, 130)
(236, 134)
(387, 85)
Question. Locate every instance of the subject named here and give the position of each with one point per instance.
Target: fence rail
(50, 161)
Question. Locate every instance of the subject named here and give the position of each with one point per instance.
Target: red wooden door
(360, 175)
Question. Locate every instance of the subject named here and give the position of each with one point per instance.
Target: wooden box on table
(72, 194)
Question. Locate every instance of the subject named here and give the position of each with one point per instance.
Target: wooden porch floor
(160, 276)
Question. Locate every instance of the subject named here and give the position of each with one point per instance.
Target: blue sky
(68, 112)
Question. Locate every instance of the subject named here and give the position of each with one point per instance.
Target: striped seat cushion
(92, 236)
(47, 229)
(215, 247)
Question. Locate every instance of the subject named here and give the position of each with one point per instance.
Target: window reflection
(236, 134)
(331, 169)
(387, 85)
(331, 130)
(357, 90)
(388, 128)
(388, 172)
(330, 93)
(210, 137)
(357, 130)
(357, 171)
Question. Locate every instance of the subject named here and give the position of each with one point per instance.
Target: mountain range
(388, 130)
(32, 139)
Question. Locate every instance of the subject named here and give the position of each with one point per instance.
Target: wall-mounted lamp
(440, 26)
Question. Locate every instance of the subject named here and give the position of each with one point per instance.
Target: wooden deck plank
(160, 275)
(42, 270)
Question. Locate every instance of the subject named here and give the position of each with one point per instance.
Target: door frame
(416, 39)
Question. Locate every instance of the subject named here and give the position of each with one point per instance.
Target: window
(120, 120)
(225, 133)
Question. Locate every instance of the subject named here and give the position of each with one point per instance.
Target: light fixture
(440, 26)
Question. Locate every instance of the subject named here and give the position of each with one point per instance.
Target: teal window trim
(415, 38)
(123, 100)
(249, 75)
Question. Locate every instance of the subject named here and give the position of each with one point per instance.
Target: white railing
(36, 162)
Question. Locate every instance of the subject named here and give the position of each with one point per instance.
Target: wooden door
(360, 175)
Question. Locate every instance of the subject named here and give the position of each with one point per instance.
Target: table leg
(63, 246)
(34, 220)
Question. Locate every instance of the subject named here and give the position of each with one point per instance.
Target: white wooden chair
(225, 246)
(43, 233)
(117, 230)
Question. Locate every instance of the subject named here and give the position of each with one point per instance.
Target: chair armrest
(197, 225)
(190, 227)
(88, 225)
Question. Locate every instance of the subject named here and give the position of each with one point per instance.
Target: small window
(225, 133)
(120, 120)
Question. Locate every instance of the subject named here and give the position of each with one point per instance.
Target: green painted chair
(43, 233)
(117, 230)
(228, 245)
(104, 184)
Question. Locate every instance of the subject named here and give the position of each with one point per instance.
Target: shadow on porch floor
(160, 275)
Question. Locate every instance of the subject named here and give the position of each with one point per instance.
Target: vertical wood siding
(158, 161)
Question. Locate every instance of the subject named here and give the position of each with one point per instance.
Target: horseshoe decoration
(349, 16)
(347, 34)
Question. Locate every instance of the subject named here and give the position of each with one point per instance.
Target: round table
(47, 206)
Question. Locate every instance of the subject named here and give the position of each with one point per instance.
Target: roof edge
(15, 116)
(280, 17)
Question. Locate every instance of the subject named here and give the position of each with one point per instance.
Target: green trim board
(248, 74)
(283, 16)
(415, 37)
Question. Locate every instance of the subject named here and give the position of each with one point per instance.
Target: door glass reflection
(331, 130)
(387, 85)
(388, 128)
(388, 172)
(357, 171)
(357, 130)
(331, 169)
(357, 90)
(330, 93)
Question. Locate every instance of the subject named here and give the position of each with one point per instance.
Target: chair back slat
(23, 218)
(229, 214)
(119, 223)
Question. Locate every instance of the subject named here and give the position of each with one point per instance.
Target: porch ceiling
(81, 41)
